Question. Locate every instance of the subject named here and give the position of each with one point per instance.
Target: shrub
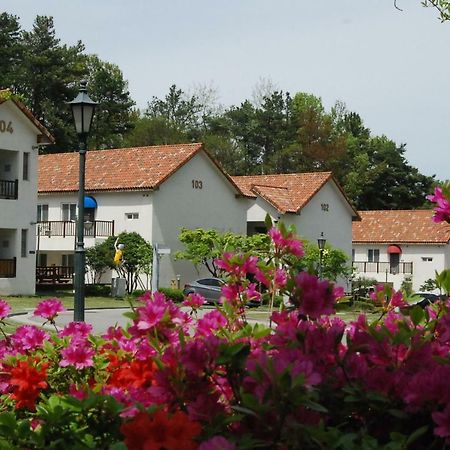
(173, 294)
(98, 290)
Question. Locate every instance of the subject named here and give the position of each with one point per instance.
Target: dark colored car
(424, 299)
(210, 288)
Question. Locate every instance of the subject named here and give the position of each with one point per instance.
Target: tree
(138, 254)
(442, 6)
(11, 52)
(177, 108)
(203, 247)
(113, 116)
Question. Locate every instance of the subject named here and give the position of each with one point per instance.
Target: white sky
(391, 67)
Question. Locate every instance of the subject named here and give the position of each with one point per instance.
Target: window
(42, 213)
(211, 282)
(68, 260)
(373, 255)
(24, 243)
(132, 216)
(42, 260)
(69, 211)
(26, 165)
(353, 254)
(427, 258)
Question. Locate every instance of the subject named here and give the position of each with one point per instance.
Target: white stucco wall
(422, 270)
(178, 203)
(17, 215)
(334, 221)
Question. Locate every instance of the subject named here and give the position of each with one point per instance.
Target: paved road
(100, 319)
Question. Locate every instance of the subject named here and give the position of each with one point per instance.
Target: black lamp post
(83, 112)
(321, 243)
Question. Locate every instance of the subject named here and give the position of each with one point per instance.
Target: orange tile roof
(397, 227)
(288, 193)
(5, 95)
(116, 169)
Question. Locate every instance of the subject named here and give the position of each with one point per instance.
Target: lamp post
(83, 112)
(321, 243)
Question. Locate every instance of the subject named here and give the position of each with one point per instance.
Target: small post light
(321, 244)
(83, 109)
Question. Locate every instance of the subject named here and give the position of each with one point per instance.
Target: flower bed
(170, 381)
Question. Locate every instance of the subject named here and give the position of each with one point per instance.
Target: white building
(397, 246)
(313, 202)
(20, 136)
(154, 191)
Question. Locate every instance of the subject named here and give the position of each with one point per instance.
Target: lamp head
(83, 108)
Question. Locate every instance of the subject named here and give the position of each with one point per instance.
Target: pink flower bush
(441, 197)
(168, 380)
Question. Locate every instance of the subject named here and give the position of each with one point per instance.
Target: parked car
(210, 288)
(424, 299)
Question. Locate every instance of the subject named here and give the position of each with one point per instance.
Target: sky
(391, 67)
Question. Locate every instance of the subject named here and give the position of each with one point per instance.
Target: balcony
(9, 189)
(54, 274)
(64, 228)
(8, 268)
(383, 267)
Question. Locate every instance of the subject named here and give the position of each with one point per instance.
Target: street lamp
(83, 112)
(321, 243)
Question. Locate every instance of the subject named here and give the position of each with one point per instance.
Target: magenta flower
(442, 420)
(78, 354)
(28, 337)
(217, 443)
(442, 209)
(49, 309)
(288, 244)
(76, 330)
(194, 301)
(315, 297)
(210, 322)
(5, 309)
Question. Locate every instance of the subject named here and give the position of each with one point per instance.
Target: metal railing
(383, 267)
(8, 268)
(101, 228)
(54, 274)
(9, 189)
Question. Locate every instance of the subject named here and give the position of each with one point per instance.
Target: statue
(118, 256)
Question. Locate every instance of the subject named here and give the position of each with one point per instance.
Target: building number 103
(6, 127)
(197, 184)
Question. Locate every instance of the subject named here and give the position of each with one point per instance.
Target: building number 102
(197, 184)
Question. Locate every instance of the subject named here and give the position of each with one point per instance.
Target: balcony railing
(383, 267)
(97, 228)
(54, 274)
(9, 189)
(8, 268)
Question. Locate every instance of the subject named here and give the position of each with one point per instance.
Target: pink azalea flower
(280, 278)
(28, 337)
(442, 420)
(78, 354)
(217, 443)
(251, 293)
(315, 297)
(211, 321)
(151, 314)
(289, 244)
(194, 300)
(49, 309)
(76, 329)
(5, 309)
(442, 209)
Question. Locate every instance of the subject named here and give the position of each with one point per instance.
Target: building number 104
(197, 184)
(5, 127)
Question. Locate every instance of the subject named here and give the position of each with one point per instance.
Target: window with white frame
(69, 211)
(132, 216)
(42, 213)
(24, 243)
(373, 255)
(68, 260)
